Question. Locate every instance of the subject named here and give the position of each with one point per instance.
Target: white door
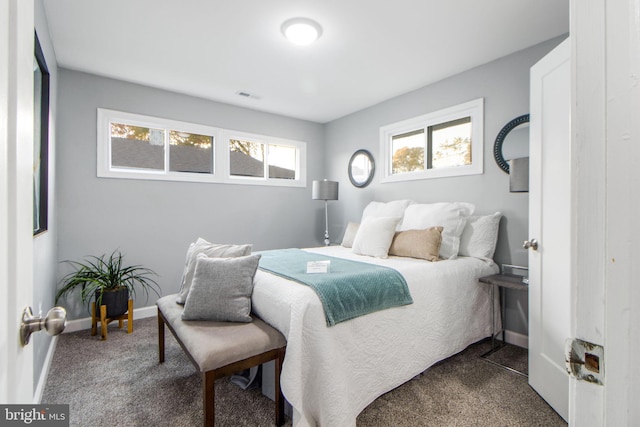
(16, 195)
(606, 132)
(550, 226)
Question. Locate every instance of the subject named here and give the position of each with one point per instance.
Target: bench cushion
(213, 345)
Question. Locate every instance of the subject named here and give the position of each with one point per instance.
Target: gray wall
(504, 85)
(45, 256)
(153, 222)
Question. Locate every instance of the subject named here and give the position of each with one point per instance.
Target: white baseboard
(44, 374)
(85, 323)
(516, 338)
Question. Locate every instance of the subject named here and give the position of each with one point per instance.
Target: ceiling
(370, 50)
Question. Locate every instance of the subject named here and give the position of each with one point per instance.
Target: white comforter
(331, 374)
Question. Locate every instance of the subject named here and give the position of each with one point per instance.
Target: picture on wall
(40, 140)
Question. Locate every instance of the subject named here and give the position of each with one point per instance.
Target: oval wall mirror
(512, 142)
(361, 168)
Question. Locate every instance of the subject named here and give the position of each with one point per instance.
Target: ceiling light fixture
(301, 31)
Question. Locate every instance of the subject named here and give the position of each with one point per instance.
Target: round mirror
(361, 168)
(512, 142)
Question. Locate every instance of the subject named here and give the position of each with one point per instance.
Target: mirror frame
(502, 135)
(371, 172)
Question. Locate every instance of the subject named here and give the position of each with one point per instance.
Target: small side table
(507, 281)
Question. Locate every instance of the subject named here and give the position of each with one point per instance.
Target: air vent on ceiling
(246, 94)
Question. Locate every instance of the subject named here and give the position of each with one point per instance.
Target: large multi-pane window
(444, 143)
(141, 147)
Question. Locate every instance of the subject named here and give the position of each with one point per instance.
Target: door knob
(53, 323)
(530, 244)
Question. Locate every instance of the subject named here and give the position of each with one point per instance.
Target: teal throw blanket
(349, 290)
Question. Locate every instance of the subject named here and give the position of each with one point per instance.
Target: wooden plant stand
(104, 320)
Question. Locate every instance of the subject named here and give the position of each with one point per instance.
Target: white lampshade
(324, 190)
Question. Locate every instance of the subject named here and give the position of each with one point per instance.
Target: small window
(142, 147)
(136, 147)
(282, 162)
(450, 144)
(190, 152)
(408, 152)
(246, 158)
(445, 143)
(266, 160)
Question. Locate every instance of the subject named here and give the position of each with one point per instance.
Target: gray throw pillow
(212, 250)
(221, 289)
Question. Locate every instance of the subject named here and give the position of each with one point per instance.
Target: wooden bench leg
(208, 378)
(209, 398)
(160, 337)
(279, 398)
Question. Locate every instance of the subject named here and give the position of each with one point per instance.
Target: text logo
(34, 415)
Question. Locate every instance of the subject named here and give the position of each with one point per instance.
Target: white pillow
(350, 234)
(451, 216)
(374, 236)
(480, 236)
(394, 209)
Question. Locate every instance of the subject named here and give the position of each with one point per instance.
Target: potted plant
(109, 281)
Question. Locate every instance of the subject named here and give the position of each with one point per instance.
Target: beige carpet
(120, 383)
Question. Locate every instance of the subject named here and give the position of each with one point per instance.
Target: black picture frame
(40, 141)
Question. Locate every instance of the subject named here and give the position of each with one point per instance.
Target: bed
(335, 366)
(331, 374)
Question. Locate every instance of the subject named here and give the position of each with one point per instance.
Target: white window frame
(301, 160)
(473, 109)
(220, 152)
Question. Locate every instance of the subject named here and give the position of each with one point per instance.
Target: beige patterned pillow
(422, 244)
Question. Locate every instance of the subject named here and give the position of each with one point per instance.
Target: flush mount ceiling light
(301, 31)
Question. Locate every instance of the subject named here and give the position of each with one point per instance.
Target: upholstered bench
(219, 349)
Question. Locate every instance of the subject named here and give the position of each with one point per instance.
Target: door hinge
(584, 360)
